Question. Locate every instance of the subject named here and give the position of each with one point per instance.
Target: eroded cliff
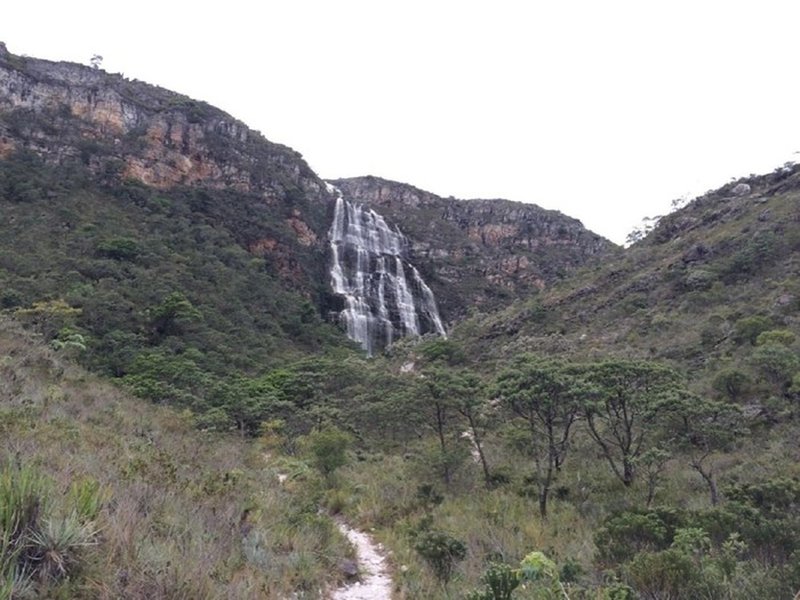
(479, 252)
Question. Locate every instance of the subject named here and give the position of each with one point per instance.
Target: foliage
(544, 395)
(776, 363)
(623, 407)
(36, 546)
(328, 449)
(441, 551)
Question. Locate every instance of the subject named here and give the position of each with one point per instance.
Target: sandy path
(375, 582)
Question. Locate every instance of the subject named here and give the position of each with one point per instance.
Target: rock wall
(479, 252)
(163, 139)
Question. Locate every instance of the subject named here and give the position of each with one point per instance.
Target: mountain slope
(138, 468)
(685, 293)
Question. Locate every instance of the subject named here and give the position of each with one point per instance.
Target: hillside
(684, 293)
(599, 423)
(187, 250)
(137, 503)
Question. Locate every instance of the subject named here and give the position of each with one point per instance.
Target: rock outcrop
(479, 252)
(163, 139)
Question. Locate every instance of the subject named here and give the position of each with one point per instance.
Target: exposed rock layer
(479, 252)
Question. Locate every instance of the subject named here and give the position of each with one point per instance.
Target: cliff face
(161, 138)
(123, 130)
(479, 252)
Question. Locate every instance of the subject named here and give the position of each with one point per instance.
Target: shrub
(731, 382)
(626, 534)
(775, 336)
(33, 545)
(749, 328)
(328, 449)
(123, 249)
(776, 362)
(441, 551)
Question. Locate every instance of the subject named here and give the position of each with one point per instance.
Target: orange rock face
(305, 236)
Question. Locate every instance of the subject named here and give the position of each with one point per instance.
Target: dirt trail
(375, 582)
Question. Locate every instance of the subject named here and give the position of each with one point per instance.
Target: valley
(211, 359)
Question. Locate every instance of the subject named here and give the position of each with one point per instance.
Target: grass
(139, 504)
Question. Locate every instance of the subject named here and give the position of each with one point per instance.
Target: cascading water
(385, 296)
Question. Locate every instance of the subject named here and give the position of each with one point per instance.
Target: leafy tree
(246, 404)
(702, 428)
(464, 392)
(328, 449)
(543, 395)
(168, 317)
(438, 403)
(749, 328)
(119, 249)
(49, 316)
(622, 408)
(652, 463)
(776, 363)
(731, 382)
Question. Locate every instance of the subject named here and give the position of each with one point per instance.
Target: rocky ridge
(477, 252)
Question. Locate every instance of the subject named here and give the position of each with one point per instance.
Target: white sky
(605, 110)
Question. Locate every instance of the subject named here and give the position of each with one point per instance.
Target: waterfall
(385, 296)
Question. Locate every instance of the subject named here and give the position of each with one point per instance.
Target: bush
(749, 328)
(626, 534)
(777, 363)
(441, 551)
(123, 249)
(35, 545)
(775, 336)
(328, 449)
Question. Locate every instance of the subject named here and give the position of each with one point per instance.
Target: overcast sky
(604, 110)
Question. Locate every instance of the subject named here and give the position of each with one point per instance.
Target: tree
(701, 428)
(439, 404)
(652, 462)
(328, 449)
(543, 395)
(168, 317)
(776, 363)
(464, 392)
(622, 407)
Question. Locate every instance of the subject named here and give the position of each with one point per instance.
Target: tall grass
(131, 501)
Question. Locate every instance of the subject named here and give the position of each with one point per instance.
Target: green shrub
(731, 383)
(626, 534)
(749, 328)
(123, 249)
(776, 336)
(776, 363)
(328, 449)
(441, 551)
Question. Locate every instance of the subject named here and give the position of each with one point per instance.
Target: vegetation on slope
(157, 286)
(104, 496)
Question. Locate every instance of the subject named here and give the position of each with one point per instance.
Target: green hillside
(179, 418)
(104, 496)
